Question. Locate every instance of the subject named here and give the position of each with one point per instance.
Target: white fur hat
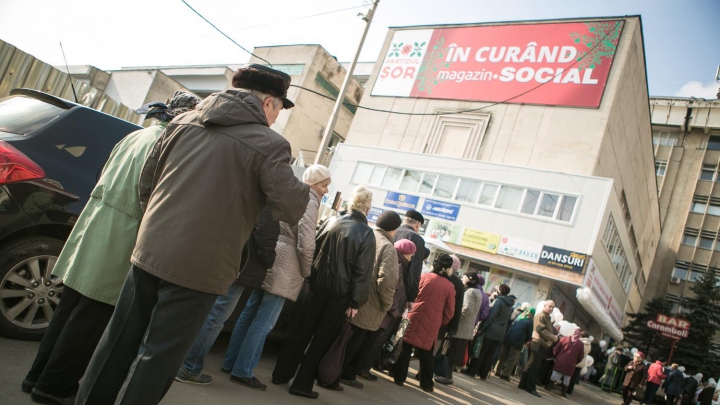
(315, 174)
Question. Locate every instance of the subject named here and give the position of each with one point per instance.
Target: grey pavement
(17, 356)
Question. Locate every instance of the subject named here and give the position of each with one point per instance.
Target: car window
(22, 115)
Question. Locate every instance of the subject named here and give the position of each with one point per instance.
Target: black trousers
(528, 380)
(455, 353)
(574, 380)
(482, 365)
(650, 391)
(427, 364)
(154, 325)
(627, 394)
(321, 323)
(69, 343)
(358, 348)
(379, 338)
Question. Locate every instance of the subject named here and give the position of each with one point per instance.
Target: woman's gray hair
(262, 96)
(361, 199)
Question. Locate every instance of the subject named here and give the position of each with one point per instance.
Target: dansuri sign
(668, 326)
(562, 259)
(401, 201)
(563, 64)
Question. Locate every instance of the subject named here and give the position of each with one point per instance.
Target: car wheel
(29, 293)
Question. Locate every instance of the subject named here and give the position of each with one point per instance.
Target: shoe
(399, 384)
(467, 373)
(428, 389)
(278, 381)
(368, 376)
(28, 385)
(563, 390)
(331, 387)
(483, 379)
(353, 383)
(504, 377)
(311, 394)
(224, 370)
(535, 393)
(250, 382)
(443, 380)
(184, 376)
(549, 386)
(43, 398)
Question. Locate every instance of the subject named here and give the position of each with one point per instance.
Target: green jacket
(96, 256)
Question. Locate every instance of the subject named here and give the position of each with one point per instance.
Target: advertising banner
(668, 326)
(520, 249)
(445, 231)
(562, 259)
(562, 64)
(401, 201)
(374, 214)
(497, 277)
(440, 209)
(483, 241)
(600, 290)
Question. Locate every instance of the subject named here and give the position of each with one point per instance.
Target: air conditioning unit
(675, 280)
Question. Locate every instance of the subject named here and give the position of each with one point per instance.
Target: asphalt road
(17, 356)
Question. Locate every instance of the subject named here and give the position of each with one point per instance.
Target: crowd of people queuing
(127, 335)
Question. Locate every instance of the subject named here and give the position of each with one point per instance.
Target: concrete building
(686, 139)
(547, 146)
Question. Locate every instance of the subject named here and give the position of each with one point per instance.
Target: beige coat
(294, 254)
(586, 350)
(203, 187)
(543, 330)
(382, 288)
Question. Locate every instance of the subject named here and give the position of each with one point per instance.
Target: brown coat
(434, 307)
(382, 286)
(635, 374)
(543, 330)
(204, 186)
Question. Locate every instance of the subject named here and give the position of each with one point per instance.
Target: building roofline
(707, 100)
(125, 68)
(549, 21)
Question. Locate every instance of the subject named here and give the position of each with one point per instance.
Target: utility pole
(327, 134)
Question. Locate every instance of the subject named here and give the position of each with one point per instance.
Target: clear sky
(682, 37)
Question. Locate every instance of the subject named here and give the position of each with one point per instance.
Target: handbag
(331, 365)
(477, 345)
(393, 347)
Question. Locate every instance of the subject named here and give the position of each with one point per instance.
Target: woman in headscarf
(635, 374)
(434, 307)
(706, 395)
(569, 351)
(95, 260)
(519, 335)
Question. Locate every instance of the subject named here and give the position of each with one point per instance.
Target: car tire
(29, 294)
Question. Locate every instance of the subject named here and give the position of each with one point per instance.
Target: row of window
(501, 196)
(703, 240)
(691, 272)
(703, 204)
(667, 138)
(708, 172)
(618, 258)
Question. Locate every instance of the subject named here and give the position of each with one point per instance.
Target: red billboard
(671, 327)
(561, 64)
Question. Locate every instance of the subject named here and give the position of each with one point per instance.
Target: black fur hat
(264, 79)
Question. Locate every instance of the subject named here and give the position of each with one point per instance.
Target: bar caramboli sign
(493, 63)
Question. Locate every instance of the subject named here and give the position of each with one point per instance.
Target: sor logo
(411, 50)
(401, 198)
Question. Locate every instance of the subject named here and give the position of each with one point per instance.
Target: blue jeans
(248, 338)
(220, 312)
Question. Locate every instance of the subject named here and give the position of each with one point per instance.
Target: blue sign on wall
(439, 209)
(401, 201)
(374, 214)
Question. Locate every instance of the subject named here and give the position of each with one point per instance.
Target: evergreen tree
(636, 332)
(703, 313)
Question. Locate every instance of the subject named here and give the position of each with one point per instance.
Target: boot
(563, 391)
(549, 386)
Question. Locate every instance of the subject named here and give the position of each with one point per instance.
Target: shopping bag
(393, 347)
(331, 365)
(442, 365)
(476, 345)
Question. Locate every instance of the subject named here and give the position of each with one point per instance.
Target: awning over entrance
(598, 312)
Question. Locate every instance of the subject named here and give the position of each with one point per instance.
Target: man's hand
(557, 338)
(351, 312)
(409, 306)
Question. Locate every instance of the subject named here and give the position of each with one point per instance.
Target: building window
(706, 243)
(468, 190)
(392, 177)
(660, 167)
(679, 272)
(690, 236)
(548, 204)
(714, 207)
(665, 138)
(410, 180)
(618, 258)
(698, 204)
(708, 172)
(362, 173)
(567, 208)
(292, 70)
(330, 88)
(530, 202)
(377, 174)
(509, 198)
(713, 142)
(695, 275)
(428, 183)
(445, 187)
(625, 208)
(488, 193)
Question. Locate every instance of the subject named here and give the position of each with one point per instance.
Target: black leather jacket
(259, 251)
(344, 260)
